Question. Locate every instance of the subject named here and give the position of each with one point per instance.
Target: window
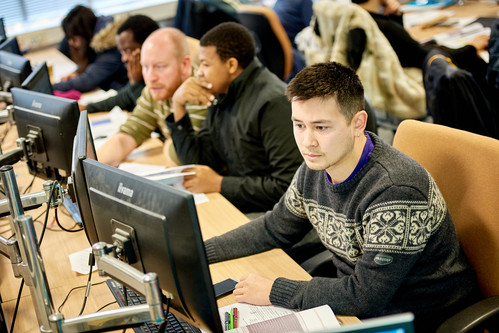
(28, 15)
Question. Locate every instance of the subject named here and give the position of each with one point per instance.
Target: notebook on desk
(398, 323)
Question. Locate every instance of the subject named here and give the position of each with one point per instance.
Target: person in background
(393, 243)
(90, 41)
(410, 52)
(245, 149)
(295, 15)
(130, 37)
(166, 64)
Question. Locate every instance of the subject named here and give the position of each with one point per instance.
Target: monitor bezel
(58, 122)
(11, 45)
(185, 273)
(3, 33)
(83, 147)
(39, 80)
(14, 68)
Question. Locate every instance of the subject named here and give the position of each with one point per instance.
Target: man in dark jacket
(245, 148)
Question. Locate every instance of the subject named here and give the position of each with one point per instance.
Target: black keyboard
(175, 325)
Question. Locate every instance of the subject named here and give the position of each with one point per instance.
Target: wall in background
(51, 36)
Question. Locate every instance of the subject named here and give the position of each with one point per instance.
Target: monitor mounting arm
(26, 260)
(35, 200)
(26, 147)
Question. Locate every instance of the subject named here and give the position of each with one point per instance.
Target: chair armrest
(320, 264)
(474, 316)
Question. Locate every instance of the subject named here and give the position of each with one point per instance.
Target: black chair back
(269, 49)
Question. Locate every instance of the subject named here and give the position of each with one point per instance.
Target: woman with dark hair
(91, 43)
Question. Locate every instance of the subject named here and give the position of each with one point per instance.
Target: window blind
(26, 11)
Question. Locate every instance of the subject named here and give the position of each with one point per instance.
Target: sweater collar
(364, 158)
(372, 154)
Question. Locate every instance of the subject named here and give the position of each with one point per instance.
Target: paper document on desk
(103, 127)
(79, 261)
(461, 37)
(168, 176)
(261, 319)
(417, 18)
(96, 96)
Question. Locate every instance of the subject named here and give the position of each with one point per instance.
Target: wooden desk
(60, 64)
(216, 217)
(468, 9)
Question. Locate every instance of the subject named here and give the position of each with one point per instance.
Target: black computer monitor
(11, 45)
(50, 122)
(3, 34)
(14, 69)
(162, 225)
(83, 148)
(39, 80)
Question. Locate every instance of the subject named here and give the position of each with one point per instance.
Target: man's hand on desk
(114, 150)
(480, 43)
(205, 180)
(253, 289)
(69, 76)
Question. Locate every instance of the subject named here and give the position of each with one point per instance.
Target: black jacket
(248, 137)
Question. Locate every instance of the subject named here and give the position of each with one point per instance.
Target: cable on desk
(30, 184)
(59, 309)
(47, 213)
(164, 324)
(91, 263)
(108, 304)
(14, 315)
(60, 225)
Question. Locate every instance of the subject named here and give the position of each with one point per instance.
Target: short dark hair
(329, 80)
(140, 25)
(232, 40)
(80, 21)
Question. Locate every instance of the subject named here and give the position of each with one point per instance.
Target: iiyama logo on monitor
(125, 190)
(36, 104)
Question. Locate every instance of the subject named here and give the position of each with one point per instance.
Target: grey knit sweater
(394, 244)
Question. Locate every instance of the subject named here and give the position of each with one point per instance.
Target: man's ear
(232, 65)
(186, 67)
(359, 121)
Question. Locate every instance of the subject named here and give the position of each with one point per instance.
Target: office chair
(273, 46)
(465, 168)
(372, 123)
(195, 17)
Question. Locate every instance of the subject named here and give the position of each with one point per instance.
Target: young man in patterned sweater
(393, 243)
